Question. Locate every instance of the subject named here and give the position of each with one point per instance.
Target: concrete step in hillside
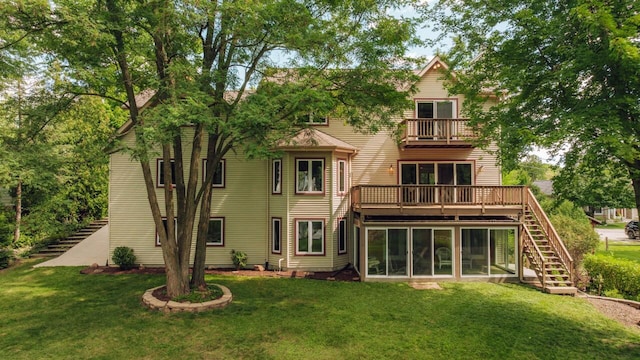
(63, 245)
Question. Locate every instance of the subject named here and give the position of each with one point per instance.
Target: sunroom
(438, 251)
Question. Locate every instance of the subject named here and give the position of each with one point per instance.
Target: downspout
(268, 214)
(288, 192)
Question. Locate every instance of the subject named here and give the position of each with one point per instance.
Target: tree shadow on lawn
(60, 313)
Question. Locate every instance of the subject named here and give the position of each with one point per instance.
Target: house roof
(314, 140)
(546, 186)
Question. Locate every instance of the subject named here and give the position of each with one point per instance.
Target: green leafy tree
(567, 75)
(210, 68)
(605, 186)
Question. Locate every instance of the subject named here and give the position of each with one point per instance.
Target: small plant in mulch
(239, 259)
(196, 295)
(123, 256)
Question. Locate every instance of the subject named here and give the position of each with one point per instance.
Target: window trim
(275, 220)
(341, 177)
(312, 115)
(275, 191)
(159, 164)
(343, 237)
(223, 163)
(324, 237)
(435, 163)
(454, 110)
(222, 231)
(310, 162)
(175, 226)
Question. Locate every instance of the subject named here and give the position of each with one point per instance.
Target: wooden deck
(448, 133)
(438, 200)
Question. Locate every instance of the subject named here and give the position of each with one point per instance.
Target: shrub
(123, 256)
(611, 275)
(573, 227)
(239, 259)
(6, 257)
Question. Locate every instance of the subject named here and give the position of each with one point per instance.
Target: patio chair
(444, 257)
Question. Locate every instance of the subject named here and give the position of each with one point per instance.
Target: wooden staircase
(546, 252)
(65, 244)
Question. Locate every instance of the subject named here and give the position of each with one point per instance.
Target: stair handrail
(538, 254)
(552, 235)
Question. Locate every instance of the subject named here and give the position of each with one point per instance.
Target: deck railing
(428, 195)
(447, 130)
(553, 237)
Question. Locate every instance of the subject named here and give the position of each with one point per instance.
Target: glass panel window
(421, 245)
(342, 236)
(160, 173)
(503, 251)
(444, 109)
(164, 223)
(342, 176)
(475, 252)
(276, 235)
(435, 109)
(310, 237)
(215, 234)
(310, 175)
(443, 252)
(276, 176)
(315, 119)
(218, 176)
(487, 252)
(376, 252)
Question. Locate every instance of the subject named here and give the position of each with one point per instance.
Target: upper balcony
(437, 133)
(439, 200)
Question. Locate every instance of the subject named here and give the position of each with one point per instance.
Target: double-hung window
(309, 176)
(342, 177)
(310, 237)
(276, 176)
(215, 234)
(160, 173)
(218, 177)
(342, 236)
(276, 235)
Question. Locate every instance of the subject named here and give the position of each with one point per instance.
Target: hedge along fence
(608, 273)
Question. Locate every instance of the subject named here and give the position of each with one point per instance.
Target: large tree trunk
(16, 232)
(200, 256)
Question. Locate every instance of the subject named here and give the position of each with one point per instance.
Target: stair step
(561, 290)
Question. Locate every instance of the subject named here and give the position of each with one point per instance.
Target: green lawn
(57, 313)
(614, 225)
(629, 249)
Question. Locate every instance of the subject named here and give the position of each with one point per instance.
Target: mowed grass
(629, 249)
(57, 313)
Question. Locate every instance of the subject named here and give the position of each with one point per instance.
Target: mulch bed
(342, 275)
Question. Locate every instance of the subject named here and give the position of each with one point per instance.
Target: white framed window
(164, 223)
(160, 173)
(309, 176)
(342, 176)
(310, 237)
(215, 234)
(219, 176)
(342, 236)
(315, 119)
(276, 235)
(276, 176)
(435, 109)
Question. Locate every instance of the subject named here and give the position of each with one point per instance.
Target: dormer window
(315, 119)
